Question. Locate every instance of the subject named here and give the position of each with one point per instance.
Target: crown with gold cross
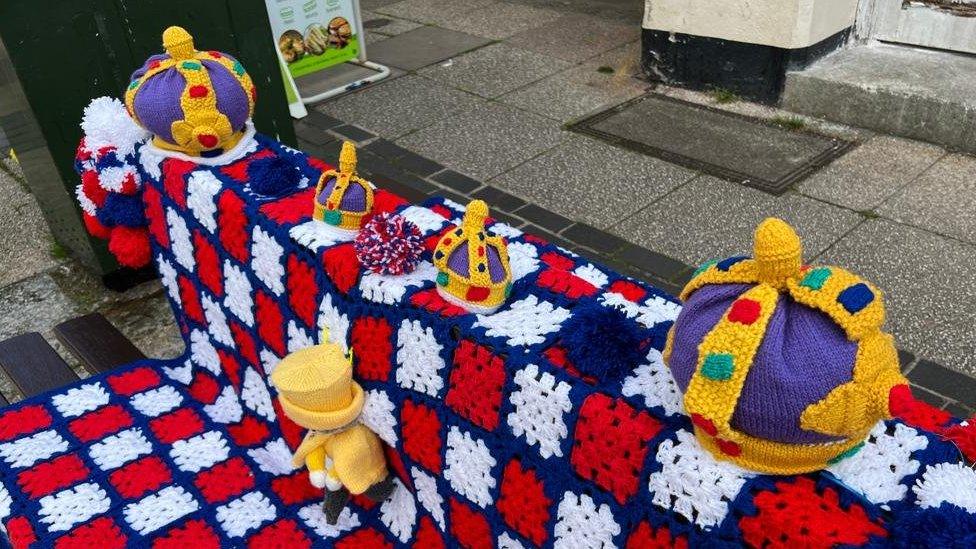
(194, 102)
(784, 367)
(473, 268)
(342, 198)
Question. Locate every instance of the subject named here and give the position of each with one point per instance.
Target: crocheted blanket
(496, 437)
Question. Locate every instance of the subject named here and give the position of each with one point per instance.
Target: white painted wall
(782, 23)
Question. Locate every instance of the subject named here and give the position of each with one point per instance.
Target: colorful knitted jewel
(389, 244)
(342, 198)
(473, 270)
(195, 102)
(784, 367)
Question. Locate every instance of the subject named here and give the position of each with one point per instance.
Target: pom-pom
(107, 124)
(389, 244)
(947, 526)
(94, 226)
(124, 210)
(92, 188)
(273, 176)
(602, 342)
(130, 246)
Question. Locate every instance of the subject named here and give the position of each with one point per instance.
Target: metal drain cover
(731, 146)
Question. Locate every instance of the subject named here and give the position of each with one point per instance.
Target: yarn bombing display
(316, 391)
(389, 244)
(489, 373)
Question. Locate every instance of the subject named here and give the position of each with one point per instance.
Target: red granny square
(364, 538)
(245, 343)
(428, 536)
(469, 527)
(195, 533)
(432, 301)
(49, 476)
(295, 488)
(249, 432)
(271, 323)
(645, 537)
(232, 226)
(100, 423)
(610, 444)
(628, 289)
(476, 382)
(342, 266)
(565, 283)
(138, 478)
(190, 298)
(302, 290)
(290, 209)
(208, 264)
(225, 480)
(278, 535)
(204, 388)
(523, 503)
(20, 532)
(23, 421)
(421, 435)
(134, 381)
(178, 425)
(174, 179)
(155, 216)
(101, 532)
(231, 367)
(372, 343)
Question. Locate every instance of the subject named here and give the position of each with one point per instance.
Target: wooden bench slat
(96, 343)
(33, 365)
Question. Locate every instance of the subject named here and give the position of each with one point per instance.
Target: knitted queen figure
(316, 391)
(783, 366)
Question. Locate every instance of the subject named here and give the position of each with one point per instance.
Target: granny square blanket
(496, 438)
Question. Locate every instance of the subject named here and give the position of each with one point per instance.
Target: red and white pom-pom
(389, 244)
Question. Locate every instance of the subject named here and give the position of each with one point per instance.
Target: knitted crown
(342, 198)
(473, 270)
(191, 101)
(783, 366)
(315, 387)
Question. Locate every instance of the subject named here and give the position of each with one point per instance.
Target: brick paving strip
(417, 178)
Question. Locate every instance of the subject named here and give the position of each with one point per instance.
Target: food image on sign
(329, 36)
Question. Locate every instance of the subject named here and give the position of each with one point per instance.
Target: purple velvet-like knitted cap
(803, 356)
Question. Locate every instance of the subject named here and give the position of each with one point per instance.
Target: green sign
(313, 35)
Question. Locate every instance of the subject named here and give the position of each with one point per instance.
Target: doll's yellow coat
(357, 457)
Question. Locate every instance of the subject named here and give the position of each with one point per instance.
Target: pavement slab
(865, 177)
(494, 70)
(942, 200)
(710, 218)
(927, 283)
(27, 245)
(434, 12)
(499, 21)
(387, 24)
(423, 46)
(576, 92)
(486, 141)
(398, 107)
(590, 181)
(576, 37)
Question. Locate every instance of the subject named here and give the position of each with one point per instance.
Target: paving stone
(386, 24)
(590, 181)
(436, 12)
(494, 70)
(396, 186)
(711, 218)
(485, 141)
(373, 4)
(27, 245)
(948, 383)
(423, 46)
(958, 410)
(624, 60)
(927, 283)
(576, 37)
(942, 200)
(353, 133)
(866, 176)
(594, 238)
(576, 92)
(386, 149)
(451, 195)
(928, 396)
(401, 106)
(499, 199)
(499, 21)
(652, 262)
(458, 182)
(417, 164)
(544, 218)
(905, 359)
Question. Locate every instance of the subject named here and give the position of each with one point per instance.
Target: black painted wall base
(752, 71)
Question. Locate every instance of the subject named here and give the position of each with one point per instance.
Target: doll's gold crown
(342, 198)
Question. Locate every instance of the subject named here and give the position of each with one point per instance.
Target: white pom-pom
(107, 124)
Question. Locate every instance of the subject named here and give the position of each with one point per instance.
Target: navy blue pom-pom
(122, 209)
(273, 176)
(945, 526)
(602, 342)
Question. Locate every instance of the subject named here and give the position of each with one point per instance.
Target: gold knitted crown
(342, 198)
(473, 268)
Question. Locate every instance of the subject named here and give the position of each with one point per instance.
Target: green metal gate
(64, 53)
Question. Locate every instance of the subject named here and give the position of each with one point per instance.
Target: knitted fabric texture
(545, 455)
(784, 368)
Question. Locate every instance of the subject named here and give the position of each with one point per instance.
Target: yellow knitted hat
(316, 389)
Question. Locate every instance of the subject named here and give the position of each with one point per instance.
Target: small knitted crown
(473, 269)
(342, 198)
(195, 102)
(784, 367)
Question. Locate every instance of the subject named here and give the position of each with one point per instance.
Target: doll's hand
(317, 478)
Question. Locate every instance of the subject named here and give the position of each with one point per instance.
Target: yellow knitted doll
(316, 390)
